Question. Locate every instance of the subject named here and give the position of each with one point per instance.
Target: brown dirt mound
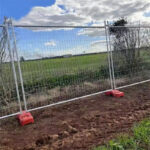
(79, 125)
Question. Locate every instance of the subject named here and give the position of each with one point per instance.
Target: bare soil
(79, 125)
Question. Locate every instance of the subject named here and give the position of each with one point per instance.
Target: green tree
(126, 50)
(22, 58)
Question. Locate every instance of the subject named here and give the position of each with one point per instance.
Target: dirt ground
(78, 125)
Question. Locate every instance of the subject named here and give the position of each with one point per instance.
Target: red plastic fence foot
(25, 118)
(115, 93)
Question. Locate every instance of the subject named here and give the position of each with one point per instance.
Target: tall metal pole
(19, 67)
(108, 55)
(13, 65)
(111, 58)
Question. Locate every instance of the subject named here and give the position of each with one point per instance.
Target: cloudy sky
(74, 12)
(68, 12)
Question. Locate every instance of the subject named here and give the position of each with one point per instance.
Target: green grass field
(40, 69)
(51, 68)
(51, 73)
(140, 139)
(60, 72)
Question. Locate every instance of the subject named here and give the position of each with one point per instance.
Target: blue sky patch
(147, 14)
(63, 12)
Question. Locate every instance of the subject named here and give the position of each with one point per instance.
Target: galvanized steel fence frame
(112, 78)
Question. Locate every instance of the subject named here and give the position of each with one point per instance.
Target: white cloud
(52, 15)
(98, 46)
(50, 43)
(92, 32)
(77, 12)
(80, 13)
(94, 43)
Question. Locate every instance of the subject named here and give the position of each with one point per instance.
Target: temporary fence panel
(62, 63)
(42, 66)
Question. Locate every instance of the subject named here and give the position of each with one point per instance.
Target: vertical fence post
(108, 55)
(12, 62)
(19, 67)
(111, 58)
(139, 39)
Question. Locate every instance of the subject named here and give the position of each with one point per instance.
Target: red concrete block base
(115, 93)
(25, 118)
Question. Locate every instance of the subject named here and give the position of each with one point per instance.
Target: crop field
(62, 66)
(50, 68)
(72, 64)
(44, 69)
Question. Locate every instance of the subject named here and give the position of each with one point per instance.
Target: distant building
(67, 55)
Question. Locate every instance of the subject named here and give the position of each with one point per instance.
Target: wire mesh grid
(131, 54)
(62, 63)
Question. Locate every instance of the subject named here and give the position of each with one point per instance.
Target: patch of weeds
(100, 148)
(142, 134)
(140, 140)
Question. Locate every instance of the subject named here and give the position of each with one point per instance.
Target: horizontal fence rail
(40, 26)
(51, 26)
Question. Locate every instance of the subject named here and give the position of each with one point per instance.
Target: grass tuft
(140, 140)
